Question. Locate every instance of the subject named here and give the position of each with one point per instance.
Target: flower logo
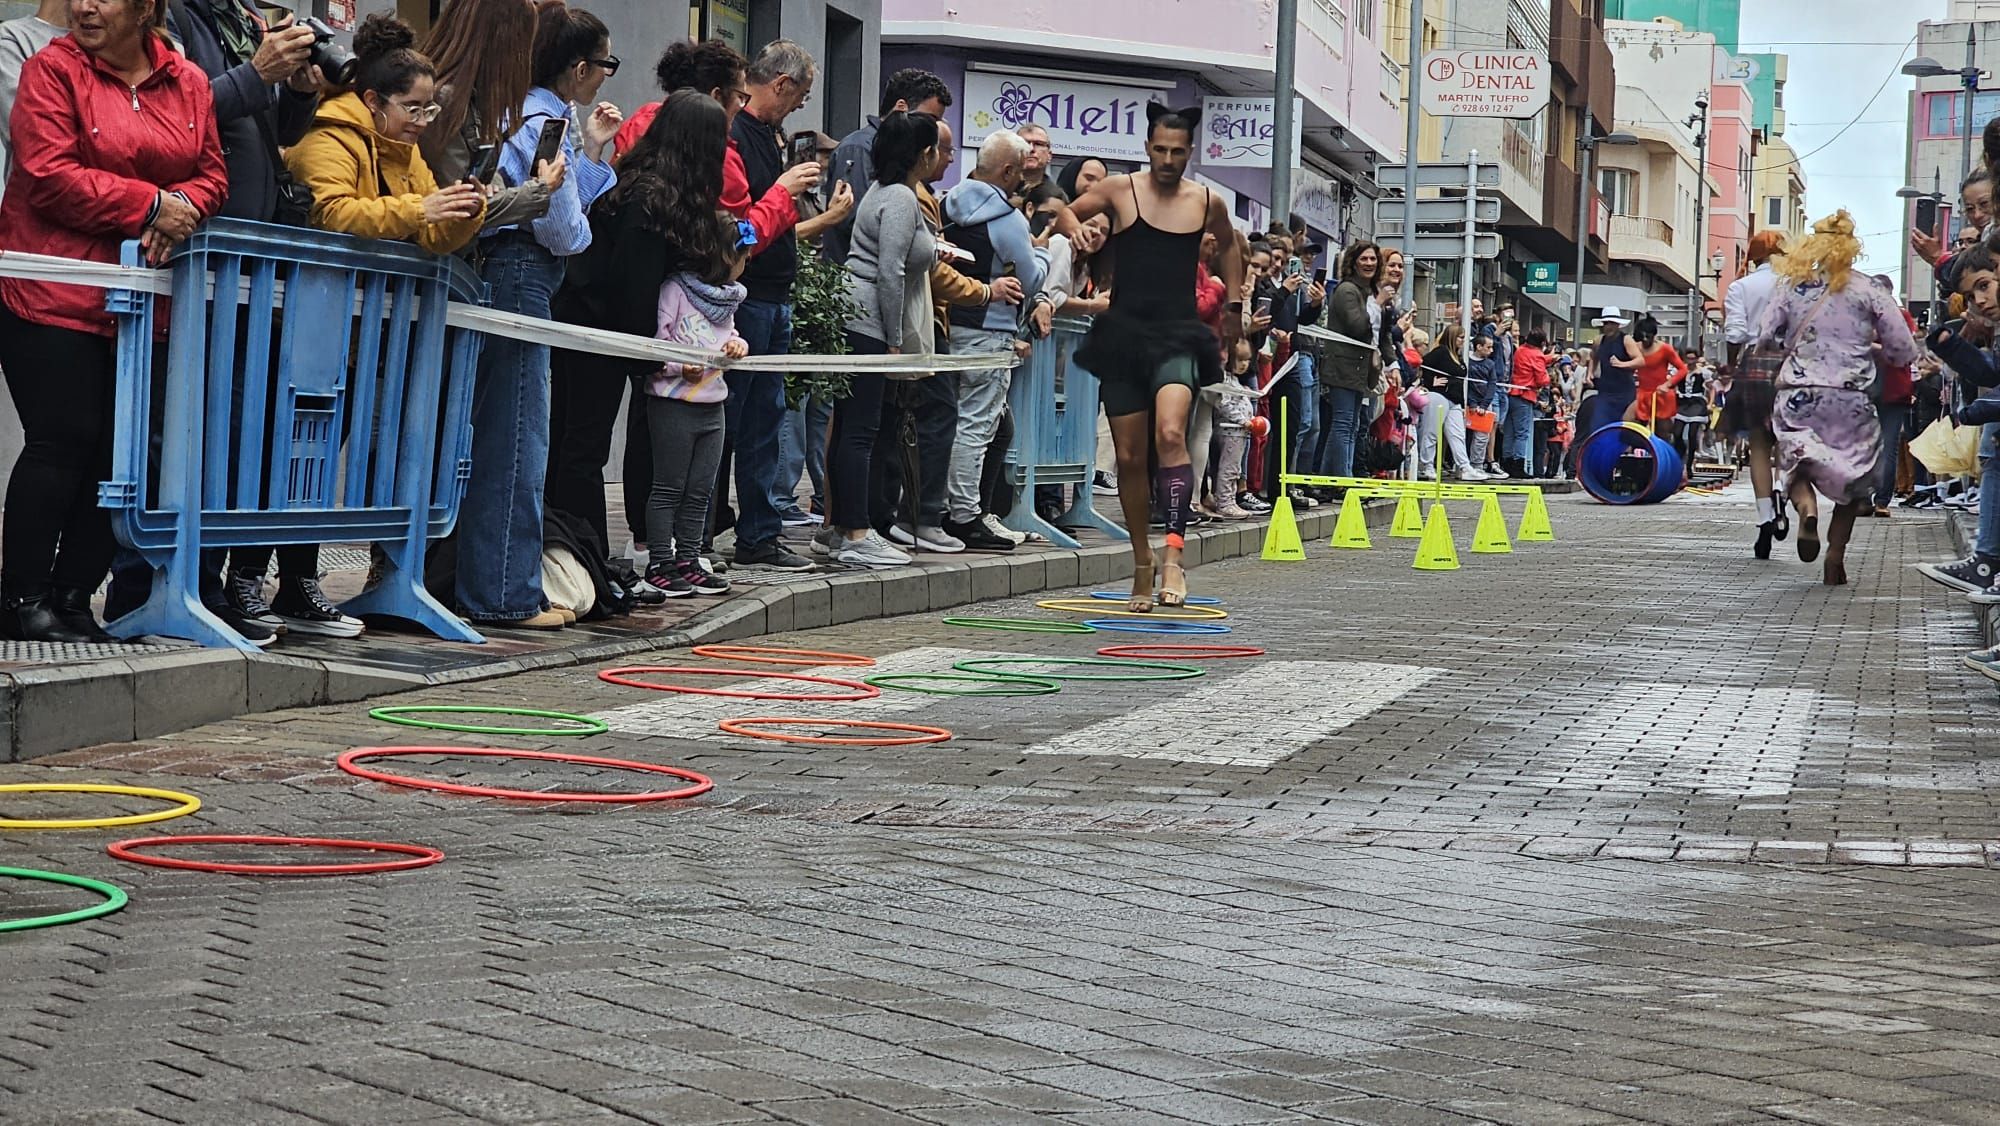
(1214, 150)
(982, 119)
(1015, 102)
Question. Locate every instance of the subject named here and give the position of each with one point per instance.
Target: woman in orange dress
(1657, 401)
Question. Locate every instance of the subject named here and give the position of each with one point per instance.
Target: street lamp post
(1699, 120)
(1585, 146)
(1935, 195)
(1923, 66)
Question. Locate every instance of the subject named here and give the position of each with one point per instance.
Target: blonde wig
(1828, 254)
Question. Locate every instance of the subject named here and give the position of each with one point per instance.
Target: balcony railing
(1392, 81)
(1642, 226)
(1325, 19)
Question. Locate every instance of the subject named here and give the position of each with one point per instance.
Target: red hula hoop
(859, 691)
(922, 734)
(762, 655)
(418, 856)
(350, 762)
(1169, 652)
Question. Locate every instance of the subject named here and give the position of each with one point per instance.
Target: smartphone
(1927, 215)
(1319, 276)
(550, 145)
(1263, 306)
(801, 149)
(485, 162)
(1294, 266)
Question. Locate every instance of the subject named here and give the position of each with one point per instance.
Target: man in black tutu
(1150, 350)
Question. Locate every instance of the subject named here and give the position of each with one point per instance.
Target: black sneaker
(1968, 575)
(1988, 595)
(667, 581)
(632, 583)
(1765, 532)
(976, 536)
(305, 610)
(252, 630)
(772, 554)
(245, 598)
(699, 581)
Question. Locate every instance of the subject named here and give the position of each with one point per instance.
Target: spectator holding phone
(484, 51)
(153, 175)
(360, 157)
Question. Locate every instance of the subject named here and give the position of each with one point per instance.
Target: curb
(48, 709)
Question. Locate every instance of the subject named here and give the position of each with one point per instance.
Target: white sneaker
(994, 525)
(824, 542)
(901, 537)
(1471, 474)
(930, 537)
(870, 550)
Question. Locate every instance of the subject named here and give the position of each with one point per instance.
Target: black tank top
(1156, 268)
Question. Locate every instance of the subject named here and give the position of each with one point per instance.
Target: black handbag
(293, 201)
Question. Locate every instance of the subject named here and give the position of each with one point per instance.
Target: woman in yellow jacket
(360, 158)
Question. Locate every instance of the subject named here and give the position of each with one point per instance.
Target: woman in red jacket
(114, 139)
(1531, 374)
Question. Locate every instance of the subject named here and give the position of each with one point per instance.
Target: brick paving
(1411, 867)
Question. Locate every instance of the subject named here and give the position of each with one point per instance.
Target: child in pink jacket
(684, 414)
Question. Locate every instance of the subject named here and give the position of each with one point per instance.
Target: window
(1774, 211)
(1620, 190)
(1364, 17)
(1940, 111)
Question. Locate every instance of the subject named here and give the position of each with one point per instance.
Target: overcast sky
(1838, 59)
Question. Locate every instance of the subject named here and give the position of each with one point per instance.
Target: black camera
(336, 62)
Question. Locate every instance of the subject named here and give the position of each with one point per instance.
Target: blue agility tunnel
(1625, 463)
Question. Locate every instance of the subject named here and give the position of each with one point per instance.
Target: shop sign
(1238, 132)
(1083, 118)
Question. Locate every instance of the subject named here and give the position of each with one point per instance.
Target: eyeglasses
(420, 114)
(736, 94)
(1038, 144)
(609, 63)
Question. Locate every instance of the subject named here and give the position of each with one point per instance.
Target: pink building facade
(1732, 155)
(1085, 71)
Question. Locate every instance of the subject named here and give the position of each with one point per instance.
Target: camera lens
(335, 61)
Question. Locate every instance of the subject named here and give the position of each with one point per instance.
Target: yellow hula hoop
(187, 803)
(1099, 607)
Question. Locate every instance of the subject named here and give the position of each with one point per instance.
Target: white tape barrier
(515, 326)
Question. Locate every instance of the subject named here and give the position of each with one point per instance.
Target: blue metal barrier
(367, 419)
(1055, 436)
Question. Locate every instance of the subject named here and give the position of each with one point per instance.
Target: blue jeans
(1305, 436)
(500, 522)
(757, 421)
(1895, 416)
(802, 452)
(1520, 431)
(1344, 428)
(1989, 491)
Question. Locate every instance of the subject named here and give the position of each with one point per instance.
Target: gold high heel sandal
(1173, 585)
(1141, 601)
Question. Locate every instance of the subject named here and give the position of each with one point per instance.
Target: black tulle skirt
(1126, 347)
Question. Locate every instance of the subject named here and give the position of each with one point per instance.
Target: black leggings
(850, 450)
(62, 382)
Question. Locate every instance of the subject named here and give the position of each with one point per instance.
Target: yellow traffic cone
(1535, 521)
(1351, 529)
(1490, 537)
(1409, 522)
(1281, 539)
(1437, 552)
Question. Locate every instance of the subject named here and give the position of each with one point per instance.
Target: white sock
(1766, 511)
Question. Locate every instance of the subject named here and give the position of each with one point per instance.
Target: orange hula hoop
(922, 734)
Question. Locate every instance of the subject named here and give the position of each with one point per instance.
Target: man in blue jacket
(980, 219)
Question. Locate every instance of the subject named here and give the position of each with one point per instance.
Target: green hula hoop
(1168, 672)
(1012, 685)
(396, 715)
(114, 899)
(1021, 625)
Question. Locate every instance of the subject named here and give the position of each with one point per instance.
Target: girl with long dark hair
(1348, 370)
(657, 221)
(484, 54)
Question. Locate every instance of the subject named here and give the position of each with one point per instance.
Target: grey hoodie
(996, 234)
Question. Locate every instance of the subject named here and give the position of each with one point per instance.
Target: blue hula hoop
(1117, 596)
(1126, 625)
